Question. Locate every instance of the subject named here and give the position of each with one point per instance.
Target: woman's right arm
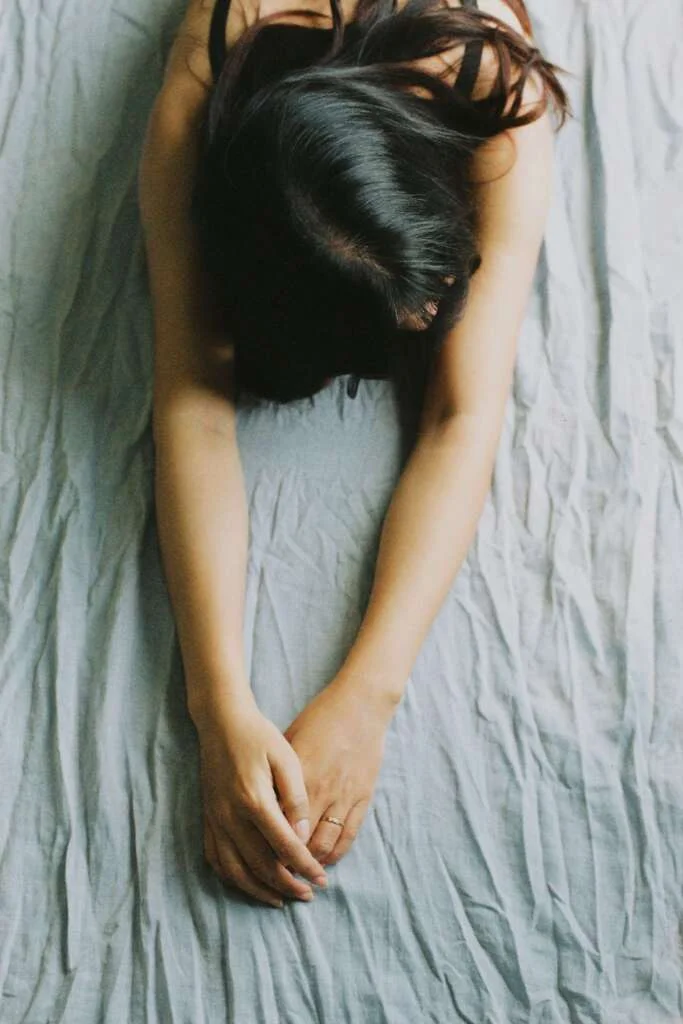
(199, 490)
(203, 531)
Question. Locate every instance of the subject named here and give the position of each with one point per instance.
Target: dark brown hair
(332, 199)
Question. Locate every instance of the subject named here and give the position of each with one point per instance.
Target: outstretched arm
(253, 790)
(435, 509)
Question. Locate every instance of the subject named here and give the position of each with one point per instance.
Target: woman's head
(334, 216)
(333, 200)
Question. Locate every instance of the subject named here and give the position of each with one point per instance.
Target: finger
(263, 863)
(352, 823)
(268, 817)
(231, 869)
(326, 834)
(290, 785)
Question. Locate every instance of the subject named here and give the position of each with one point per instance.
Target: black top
(467, 75)
(292, 55)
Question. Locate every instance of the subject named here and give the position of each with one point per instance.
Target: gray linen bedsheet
(522, 857)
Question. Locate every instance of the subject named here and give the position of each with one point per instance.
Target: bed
(522, 859)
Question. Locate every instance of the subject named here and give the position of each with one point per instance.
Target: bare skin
(257, 783)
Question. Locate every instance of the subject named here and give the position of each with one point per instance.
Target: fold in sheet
(521, 861)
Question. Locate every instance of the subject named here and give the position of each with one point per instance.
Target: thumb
(288, 778)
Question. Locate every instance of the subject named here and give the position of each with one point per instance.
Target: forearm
(437, 504)
(428, 529)
(203, 529)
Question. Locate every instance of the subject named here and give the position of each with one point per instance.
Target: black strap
(467, 75)
(471, 61)
(217, 48)
(469, 69)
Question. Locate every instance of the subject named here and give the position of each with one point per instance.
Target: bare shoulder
(488, 69)
(188, 68)
(513, 169)
(452, 58)
(504, 11)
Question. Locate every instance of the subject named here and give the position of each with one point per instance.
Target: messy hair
(334, 197)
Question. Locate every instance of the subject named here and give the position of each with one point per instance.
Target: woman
(366, 198)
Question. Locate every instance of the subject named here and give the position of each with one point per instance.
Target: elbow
(478, 433)
(168, 418)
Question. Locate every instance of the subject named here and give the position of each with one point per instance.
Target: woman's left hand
(339, 738)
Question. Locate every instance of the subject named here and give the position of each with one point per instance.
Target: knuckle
(218, 811)
(287, 852)
(339, 850)
(264, 871)
(223, 845)
(321, 849)
(251, 804)
(294, 799)
(224, 873)
(284, 848)
(260, 867)
(221, 821)
(294, 809)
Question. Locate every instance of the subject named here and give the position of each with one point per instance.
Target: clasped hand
(259, 784)
(339, 738)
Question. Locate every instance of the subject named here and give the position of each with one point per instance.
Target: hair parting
(334, 195)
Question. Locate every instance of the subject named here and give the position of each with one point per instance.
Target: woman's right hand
(253, 794)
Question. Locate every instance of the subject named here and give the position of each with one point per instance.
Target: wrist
(378, 691)
(211, 702)
(378, 672)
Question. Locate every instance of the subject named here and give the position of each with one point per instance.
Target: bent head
(335, 217)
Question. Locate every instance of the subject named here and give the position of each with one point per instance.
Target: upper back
(473, 67)
(211, 27)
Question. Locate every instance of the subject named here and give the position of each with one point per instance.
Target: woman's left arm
(439, 498)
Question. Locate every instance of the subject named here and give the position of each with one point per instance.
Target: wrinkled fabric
(521, 861)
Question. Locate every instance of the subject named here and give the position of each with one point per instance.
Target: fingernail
(302, 829)
(310, 895)
(320, 880)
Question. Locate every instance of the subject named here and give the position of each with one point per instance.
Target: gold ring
(335, 821)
